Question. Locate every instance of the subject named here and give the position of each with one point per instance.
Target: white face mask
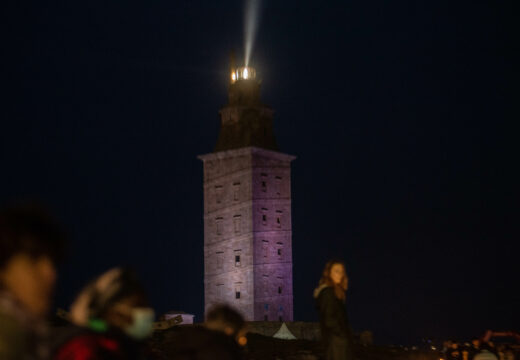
(142, 323)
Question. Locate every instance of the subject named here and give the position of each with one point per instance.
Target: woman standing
(330, 302)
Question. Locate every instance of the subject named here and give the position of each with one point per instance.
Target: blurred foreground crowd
(479, 349)
(109, 319)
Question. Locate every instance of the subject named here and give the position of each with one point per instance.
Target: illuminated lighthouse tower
(247, 209)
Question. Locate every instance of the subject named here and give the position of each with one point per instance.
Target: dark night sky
(392, 108)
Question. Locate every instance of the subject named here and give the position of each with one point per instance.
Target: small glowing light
(233, 76)
(246, 73)
(242, 341)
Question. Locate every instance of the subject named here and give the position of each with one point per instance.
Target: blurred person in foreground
(330, 301)
(227, 320)
(115, 319)
(31, 243)
(218, 339)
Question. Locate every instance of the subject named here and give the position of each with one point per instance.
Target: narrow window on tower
(238, 253)
(265, 247)
(279, 250)
(280, 284)
(218, 193)
(237, 222)
(219, 225)
(263, 182)
(279, 218)
(266, 311)
(264, 216)
(280, 313)
(220, 260)
(236, 191)
(237, 291)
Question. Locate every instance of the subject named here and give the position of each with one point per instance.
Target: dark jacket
(333, 313)
(335, 328)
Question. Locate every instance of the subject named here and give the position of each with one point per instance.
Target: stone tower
(247, 209)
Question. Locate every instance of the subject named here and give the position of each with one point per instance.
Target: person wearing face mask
(330, 303)
(31, 243)
(115, 318)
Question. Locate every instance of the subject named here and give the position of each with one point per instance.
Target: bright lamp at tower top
(243, 73)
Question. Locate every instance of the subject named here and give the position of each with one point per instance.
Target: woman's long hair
(339, 289)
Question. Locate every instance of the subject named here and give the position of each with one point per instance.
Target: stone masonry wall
(272, 228)
(247, 232)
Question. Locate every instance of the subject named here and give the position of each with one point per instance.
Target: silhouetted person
(115, 317)
(330, 302)
(30, 244)
(227, 320)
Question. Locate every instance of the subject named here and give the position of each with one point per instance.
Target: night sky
(392, 108)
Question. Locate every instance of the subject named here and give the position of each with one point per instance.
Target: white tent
(284, 333)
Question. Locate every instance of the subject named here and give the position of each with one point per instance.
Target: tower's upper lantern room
(244, 88)
(243, 73)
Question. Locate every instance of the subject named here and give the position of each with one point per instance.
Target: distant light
(233, 76)
(242, 341)
(246, 73)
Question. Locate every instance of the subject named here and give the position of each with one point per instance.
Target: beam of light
(251, 20)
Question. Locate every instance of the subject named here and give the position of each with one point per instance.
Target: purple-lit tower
(247, 209)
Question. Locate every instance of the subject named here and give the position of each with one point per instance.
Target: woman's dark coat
(335, 328)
